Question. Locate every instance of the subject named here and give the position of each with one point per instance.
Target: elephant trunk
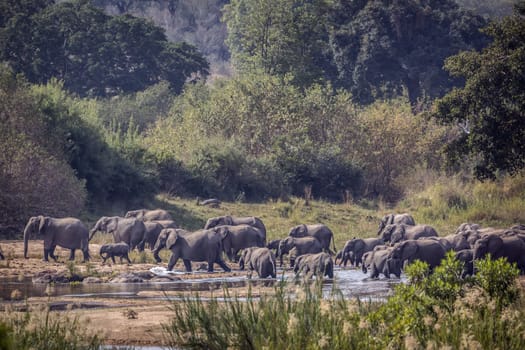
(92, 232)
(27, 233)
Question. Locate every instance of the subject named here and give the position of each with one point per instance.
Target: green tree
(490, 108)
(93, 53)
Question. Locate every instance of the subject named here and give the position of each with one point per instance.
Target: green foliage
(44, 330)
(498, 279)
(490, 107)
(94, 54)
(489, 8)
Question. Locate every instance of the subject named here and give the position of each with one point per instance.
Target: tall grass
(432, 311)
(43, 329)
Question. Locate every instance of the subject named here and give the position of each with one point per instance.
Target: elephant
(261, 260)
(402, 232)
(466, 257)
(320, 265)
(152, 231)
(165, 223)
(376, 261)
(163, 237)
(298, 246)
(69, 233)
(458, 241)
(274, 244)
(498, 246)
(467, 226)
(129, 230)
(149, 215)
(234, 220)
(426, 250)
(238, 237)
(111, 250)
(392, 219)
(319, 231)
(356, 247)
(201, 245)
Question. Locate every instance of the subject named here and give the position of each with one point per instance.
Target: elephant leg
(46, 254)
(127, 258)
(72, 255)
(222, 264)
(113, 258)
(86, 255)
(187, 265)
(173, 260)
(52, 253)
(210, 266)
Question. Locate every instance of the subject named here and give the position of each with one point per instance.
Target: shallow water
(349, 282)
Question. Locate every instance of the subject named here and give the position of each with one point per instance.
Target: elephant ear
(359, 245)
(495, 243)
(408, 250)
(222, 231)
(228, 220)
(390, 219)
(111, 224)
(172, 239)
(43, 221)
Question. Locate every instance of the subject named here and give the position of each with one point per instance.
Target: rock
(165, 278)
(132, 277)
(89, 280)
(49, 276)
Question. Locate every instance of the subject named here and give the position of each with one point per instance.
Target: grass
(432, 312)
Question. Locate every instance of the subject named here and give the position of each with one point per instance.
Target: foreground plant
(434, 310)
(44, 329)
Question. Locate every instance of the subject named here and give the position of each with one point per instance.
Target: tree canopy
(93, 53)
(490, 108)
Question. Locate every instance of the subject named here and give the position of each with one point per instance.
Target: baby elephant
(320, 265)
(261, 260)
(112, 250)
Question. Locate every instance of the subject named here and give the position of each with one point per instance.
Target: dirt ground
(111, 318)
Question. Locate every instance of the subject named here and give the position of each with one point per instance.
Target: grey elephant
(260, 260)
(466, 257)
(163, 237)
(402, 232)
(498, 246)
(458, 241)
(298, 246)
(467, 226)
(165, 223)
(238, 237)
(128, 230)
(152, 231)
(69, 233)
(111, 250)
(149, 215)
(355, 248)
(319, 231)
(273, 245)
(235, 220)
(376, 261)
(320, 265)
(425, 250)
(392, 219)
(201, 245)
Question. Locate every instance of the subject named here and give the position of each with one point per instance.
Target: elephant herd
(401, 241)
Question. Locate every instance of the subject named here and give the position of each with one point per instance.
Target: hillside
(196, 22)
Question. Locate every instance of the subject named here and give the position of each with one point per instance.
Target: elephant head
(167, 238)
(298, 231)
(245, 257)
(36, 224)
(285, 245)
(104, 224)
(386, 220)
(397, 233)
(387, 233)
(224, 232)
(487, 245)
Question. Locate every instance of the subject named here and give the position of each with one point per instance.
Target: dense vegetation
(431, 312)
(98, 112)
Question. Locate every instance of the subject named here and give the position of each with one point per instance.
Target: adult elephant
(261, 260)
(201, 245)
(297, 247)
(319, 231)
(376, 261)
(355, 248)
(458, 241)
(151, 233)
(320, 265)
(128, 230)
(69, 233)
(234, 221)
(392, 219)
(163, 237)
(238, 237)
(149, 215)
(466, 257)
(426, 250)
(402, 232)
(498, 246)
